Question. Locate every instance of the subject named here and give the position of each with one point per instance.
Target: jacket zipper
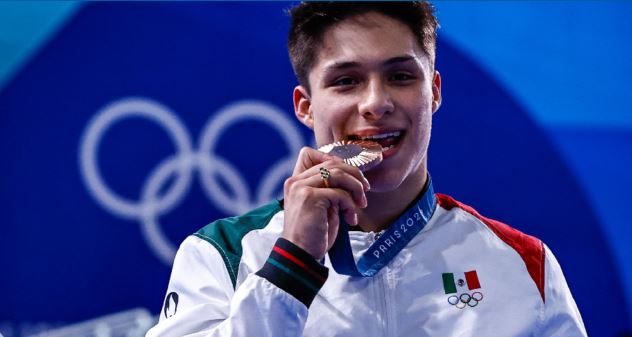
(382, 291)
(385, 310)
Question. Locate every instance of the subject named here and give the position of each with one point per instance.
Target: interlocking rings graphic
(183, 163)
(466, 299)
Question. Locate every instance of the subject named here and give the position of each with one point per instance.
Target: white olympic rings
(465, 299)
(183, 163)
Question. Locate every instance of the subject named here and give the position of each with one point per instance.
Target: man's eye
(401, 77)
(344, 81)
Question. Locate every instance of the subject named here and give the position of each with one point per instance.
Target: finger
(340, 199)
(337, 159)
(309, 158)
(352, 170)
(351, 216)
(333, 165)
(333, 221)
(339, 179)
(356, 172)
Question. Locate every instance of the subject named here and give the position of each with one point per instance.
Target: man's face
(372, 80)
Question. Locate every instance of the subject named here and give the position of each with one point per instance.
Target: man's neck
(384, 208)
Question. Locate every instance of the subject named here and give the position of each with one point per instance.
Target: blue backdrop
(122, 128)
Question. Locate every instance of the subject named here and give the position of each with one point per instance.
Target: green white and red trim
(295, 271)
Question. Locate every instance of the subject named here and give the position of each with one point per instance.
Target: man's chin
(388, 176)
(383, 180)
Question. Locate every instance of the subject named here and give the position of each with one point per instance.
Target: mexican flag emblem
(462, 289)
(453, 283)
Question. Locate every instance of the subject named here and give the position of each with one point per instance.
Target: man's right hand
(312, 210)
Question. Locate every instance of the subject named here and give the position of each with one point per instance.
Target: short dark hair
(311, 19)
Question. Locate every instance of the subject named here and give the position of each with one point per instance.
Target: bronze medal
(363, 154)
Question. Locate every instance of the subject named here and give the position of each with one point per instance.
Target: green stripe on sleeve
(226, 234)
(293, 274)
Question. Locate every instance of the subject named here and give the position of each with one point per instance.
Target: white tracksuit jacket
(462, 275)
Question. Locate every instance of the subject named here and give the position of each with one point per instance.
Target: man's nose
(376, 101)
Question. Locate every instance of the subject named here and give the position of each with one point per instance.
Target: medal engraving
(362, 154)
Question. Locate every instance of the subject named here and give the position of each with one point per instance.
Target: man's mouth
(387, 140)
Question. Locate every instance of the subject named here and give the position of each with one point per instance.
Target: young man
(412, 263)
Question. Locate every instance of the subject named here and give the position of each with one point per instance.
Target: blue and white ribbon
(389, 244)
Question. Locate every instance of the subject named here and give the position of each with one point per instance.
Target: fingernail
(367, 185)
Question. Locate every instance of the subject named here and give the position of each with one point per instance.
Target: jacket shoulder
(226, 234)
(530, 248)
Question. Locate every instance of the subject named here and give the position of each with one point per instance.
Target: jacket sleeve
(561, 318)
(201, 300)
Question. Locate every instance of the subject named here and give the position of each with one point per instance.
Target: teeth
(387, 148)
(382, 136)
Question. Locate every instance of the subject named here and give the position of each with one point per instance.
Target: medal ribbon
(389, 244)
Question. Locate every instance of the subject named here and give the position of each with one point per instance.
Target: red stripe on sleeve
(298, 262)
(530, 249)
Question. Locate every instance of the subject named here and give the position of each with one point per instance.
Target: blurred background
(126, 126)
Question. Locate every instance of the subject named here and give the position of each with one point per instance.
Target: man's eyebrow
(341, 66)
(352, 64)
(399, 59)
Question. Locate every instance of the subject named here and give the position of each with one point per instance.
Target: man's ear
(436, 91)
(302, 106)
